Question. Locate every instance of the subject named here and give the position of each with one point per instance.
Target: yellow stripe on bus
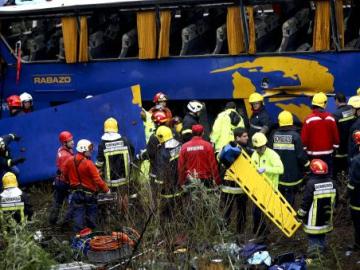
(260, 191)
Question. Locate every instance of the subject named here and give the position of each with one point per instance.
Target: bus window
(352, 25)
(112, 35)
(38, 39)
(199, 34)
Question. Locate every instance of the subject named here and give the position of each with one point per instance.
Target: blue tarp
(84, 118)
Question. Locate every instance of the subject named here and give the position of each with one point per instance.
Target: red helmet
(159, 117)
(318, 166)
(159, 97)
(14, 101)
(65, 136)
(356, 137)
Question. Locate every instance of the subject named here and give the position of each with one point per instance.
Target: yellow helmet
(354, 101)
(319, 99)
(358, 91)
(256, 97)
(164, 133)
(285, 119)
(111, 125)
(258, 139)
(9, 180)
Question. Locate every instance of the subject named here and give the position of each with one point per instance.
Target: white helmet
(194, 106)
(25, 97)
(83, 146)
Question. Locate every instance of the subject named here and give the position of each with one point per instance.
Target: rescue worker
(177, 125)
(317, 206)
(319, 133)
(197, 160)
(354, 102)
(344, 117)
(231, 192)
(61, 186)
(7, 163)
(354, 192)
(260, 120)
(167, 169)
(26, 102)
(159, 118)
(148, 124)
(13, 199)
(115, 154)
(85, 181)
(267, 162)
(287, 143)
(15, 106)
(191, 118)
(225, 123)
(160, 100)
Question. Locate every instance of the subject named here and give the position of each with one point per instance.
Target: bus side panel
(84, 118)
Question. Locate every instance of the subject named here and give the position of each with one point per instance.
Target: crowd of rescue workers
(305, 159)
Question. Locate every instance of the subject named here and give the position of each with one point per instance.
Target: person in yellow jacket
(267, 162)
(149, 125)
(224, 125)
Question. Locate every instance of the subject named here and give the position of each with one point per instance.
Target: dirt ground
(334, 258)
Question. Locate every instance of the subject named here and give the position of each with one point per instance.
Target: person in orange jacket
(85, 181)
(197, 160)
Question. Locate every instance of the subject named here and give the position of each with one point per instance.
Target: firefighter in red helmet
(317, 206)
(61, 185)
(160, 100)
(15, 105)
(354, 191)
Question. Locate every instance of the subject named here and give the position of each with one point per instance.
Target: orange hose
(110, 242)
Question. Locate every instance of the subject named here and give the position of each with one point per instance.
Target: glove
(16, 137)
(300, 215)
(261, 170)
(18, 161)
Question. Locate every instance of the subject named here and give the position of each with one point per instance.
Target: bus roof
(79, 6)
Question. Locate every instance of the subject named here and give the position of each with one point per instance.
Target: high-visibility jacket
(319, 133)
(287, 143)
(224, 125)
(149, 126)
(82, 174)
(344, 117)
(272, 164)
(354, 183)
(318, 204)
(167, 162)
(15, 200)
(197, 160)
(114, 157)
(260, 121)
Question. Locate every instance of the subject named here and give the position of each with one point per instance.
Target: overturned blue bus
(213, 51)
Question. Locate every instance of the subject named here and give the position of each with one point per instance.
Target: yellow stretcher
(261, 192)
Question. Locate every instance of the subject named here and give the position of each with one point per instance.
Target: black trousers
(227, 203)
(355, 216)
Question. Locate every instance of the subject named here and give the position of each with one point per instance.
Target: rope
(111, 242)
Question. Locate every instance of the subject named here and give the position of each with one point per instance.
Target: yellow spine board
(261, 192)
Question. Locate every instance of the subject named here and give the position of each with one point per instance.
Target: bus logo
(52, 79)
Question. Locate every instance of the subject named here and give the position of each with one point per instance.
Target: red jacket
(319, 134)
(62, 155)
(88, 174)
(197, 159)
